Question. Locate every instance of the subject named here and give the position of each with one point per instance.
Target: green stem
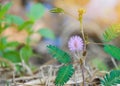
(29, 71)
(70, 15)
(83, 35)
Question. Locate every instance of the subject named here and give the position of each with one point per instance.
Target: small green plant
(111, 33)
(15, 56)
(99, 64)
(67, 70)
(77, 46)
(111, 79)
(13, 51)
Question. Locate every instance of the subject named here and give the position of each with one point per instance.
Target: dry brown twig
(47, 74)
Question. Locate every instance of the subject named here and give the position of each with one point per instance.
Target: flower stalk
(80, 14)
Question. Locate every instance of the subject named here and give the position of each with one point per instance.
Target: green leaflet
(111, 33)
(13, 19)
(64, 74)
(26, 25)
(4, 9)
(16, 19)
(57, 10)
(36, 12)
(59, 54)
(111, 79)
(3, 43)
(47, 33)
(26, 53)
(12, 44)
(12, 55)
(99, 64)
(113, 51)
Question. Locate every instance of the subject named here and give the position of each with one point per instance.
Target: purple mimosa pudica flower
(75, 43)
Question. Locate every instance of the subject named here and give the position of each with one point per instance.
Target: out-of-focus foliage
(8, 50)
(16, 20)
(113, 51)
(111, 79)
(4, 9)
(26, 25)
(47, 33)
(111, 33)
(13, 51)
(4, 63)
(25, 53)
(98, 63)
(36, 12)
(13, 56)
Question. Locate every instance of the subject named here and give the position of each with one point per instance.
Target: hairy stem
(97, 43)
(89, 72)
(67, 13)
(84, 49)
(83, 77)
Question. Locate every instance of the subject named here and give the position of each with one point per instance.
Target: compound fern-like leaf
(113, 51)
(57, 10)
(111, 79)
(64, 74)
(111, 33)
(59, 54)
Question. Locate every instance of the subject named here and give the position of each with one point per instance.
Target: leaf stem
(114, 63)
(65, 12)
(96, 43)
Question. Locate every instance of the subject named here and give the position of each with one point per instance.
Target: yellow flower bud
(80, 14)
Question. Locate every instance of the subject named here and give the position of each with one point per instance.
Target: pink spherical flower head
(75, 43)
